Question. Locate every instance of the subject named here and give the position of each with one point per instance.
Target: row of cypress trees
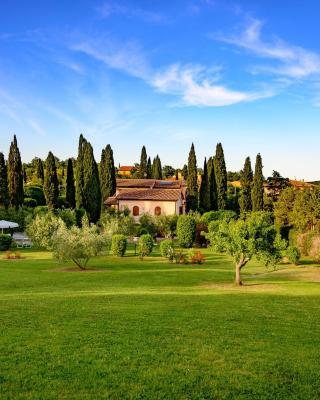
(148, 170)
(212, 194)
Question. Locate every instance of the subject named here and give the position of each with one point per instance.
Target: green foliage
(166, 248)
(117, 222)
(212, 184)
(51, 184)
(245, 200)
(142, 172)
(107, 174)
(29, 202)
(42, 228)
(36, 193)
(293, 254)
(147, 225)
(204, 192)
(168, 171)
(19, 215)
(149, 168)
(5, 242)
(70, 187)
(4, 193)
(68, 216)
(166, 225)
(221, 177)
(192, 181)
(186, 230)
(220, 215)
(145, 245)
(119, 245)
(185, 172)
(156, 168)
(78, 244)
(80, 198)
(257, 186)
(15, 175)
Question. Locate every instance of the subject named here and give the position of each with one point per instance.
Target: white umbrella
(8, 224)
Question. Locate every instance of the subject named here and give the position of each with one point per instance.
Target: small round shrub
(5, 242)
(166, 247)
(35, 192)
(29, 202)
(186, 230)
(145, 245)
(119, 245)
(293, 254)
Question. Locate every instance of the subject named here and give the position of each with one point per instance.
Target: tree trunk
(242, 262)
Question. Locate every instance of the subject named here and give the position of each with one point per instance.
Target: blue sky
(164, 74)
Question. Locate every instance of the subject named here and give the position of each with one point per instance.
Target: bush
(166, 225)
(315, 248)
(29, 202)
(42, 229)
(145, 245)
(186, 230)
(166, 247)
(68, 216)
(293, 255)
(36, 193)
(118, 222)
(119, 245)
(5, 242)
(147, 225)
(200, 239)
(196, 257)
(221, 215)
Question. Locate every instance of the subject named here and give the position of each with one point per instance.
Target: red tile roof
(147, 194)
(126, 168)
(148, 183)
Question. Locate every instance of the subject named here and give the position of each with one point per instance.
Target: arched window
(135, 211)
(157, 211)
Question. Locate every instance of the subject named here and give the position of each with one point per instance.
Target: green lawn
(150, 330)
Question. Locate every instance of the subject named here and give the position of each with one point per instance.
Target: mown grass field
(150, 330)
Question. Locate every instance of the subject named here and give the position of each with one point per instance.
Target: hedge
(119, 245)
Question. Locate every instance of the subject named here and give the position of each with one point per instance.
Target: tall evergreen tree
(192, 181)
(51, 184)
(185, 172)
(79, 173)
(149, 168)
(212, 184)
(221, 177)
(107, 174)
(156, 168)
(70, 188)
(15, 175)
(204, 192)
(39, 170)
(143, 164)
(257, 186)
(245, 201)
(4, 193)
(91, 184)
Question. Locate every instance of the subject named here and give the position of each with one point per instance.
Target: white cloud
(113, 8)
(294, 61)
(36, 127)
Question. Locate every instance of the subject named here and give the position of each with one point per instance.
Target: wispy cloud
(36, 127)
(114, 8)
(293, 61)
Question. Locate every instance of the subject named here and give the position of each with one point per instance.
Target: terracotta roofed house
(126, 170)
(155, 197)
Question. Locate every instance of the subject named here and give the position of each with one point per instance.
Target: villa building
(155, 197)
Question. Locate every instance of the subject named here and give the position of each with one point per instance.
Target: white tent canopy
(8, 224)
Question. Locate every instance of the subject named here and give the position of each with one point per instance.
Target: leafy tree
(78, 244)
(143, 164)
(221, 177)
(15, 175)
(257, 186)
(51, 185)
(233, 176)
(4, 194)
(168, 171)
(156, 168)
(107, 174)
(204, 192)
(42, 228)
(149, 168)
(91, 184)
(245, 238)
(186, 230)
(212, 184)
(275, 184)
(192, 181)
(118, 222)
(70, 188)
(246, 185)
(283, 208)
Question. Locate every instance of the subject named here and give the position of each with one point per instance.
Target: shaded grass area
(129, 329)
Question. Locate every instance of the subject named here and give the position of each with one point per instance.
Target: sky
(164, 73)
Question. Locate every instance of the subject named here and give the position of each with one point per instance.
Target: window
(180, 210)
(157, 211)
(135, 211)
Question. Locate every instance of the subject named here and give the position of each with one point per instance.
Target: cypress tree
(39, 170)
(204, 192)
(185, 172)
(4, 193)
(221, 177)
(79, 173)
(107, 174)
(192, 181)
(245, 202)
(149, 169)
(70, 188)
(15, 175)
(257, 186)
(91, 184)
(156, 168)
(212, 184)
(143, 164)
(51, 184)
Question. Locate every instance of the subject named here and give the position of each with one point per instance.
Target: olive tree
(42, 228)
(255, 236)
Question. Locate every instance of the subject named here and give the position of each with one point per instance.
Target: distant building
(126, 170)
(154, 197)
